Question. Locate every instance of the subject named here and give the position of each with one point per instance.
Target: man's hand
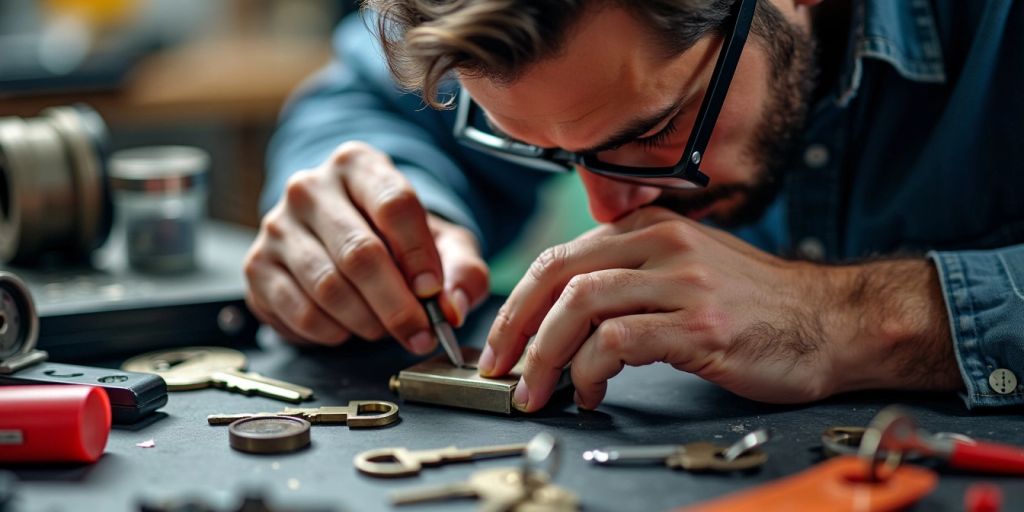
(657, 287)
(349, 248)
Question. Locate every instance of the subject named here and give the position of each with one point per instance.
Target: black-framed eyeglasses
(685, 173)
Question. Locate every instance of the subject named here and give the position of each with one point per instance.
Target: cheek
(731, 155)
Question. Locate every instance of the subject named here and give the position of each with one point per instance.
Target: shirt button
(816, 156)
(811, 248)
(1002, 381)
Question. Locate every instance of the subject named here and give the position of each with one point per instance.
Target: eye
(656, 140)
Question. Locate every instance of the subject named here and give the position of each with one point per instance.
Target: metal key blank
(201, 367)
(393, 462)
(357, 414)
(700, 456)
(497, 489)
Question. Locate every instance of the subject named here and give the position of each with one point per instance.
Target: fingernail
(486, 362)
(426, 285)
(461, 303)
(521, 398)
(422, 343)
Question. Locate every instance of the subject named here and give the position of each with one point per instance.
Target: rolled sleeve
(985, 302)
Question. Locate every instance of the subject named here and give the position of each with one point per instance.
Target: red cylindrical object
(987, 458)
(53, 423)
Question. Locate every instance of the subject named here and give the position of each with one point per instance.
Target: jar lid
(159, 169)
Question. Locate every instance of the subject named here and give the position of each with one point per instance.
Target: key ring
(890, 434)
(541, 450)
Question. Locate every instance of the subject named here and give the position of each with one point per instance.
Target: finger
(258, 261)
(365, 261)
(285, 333)
(467, 279)
(521, 315)
(587, 301)
(265, 317)
(634, 340)
(297, 312)
(316, 274)
(391, 204)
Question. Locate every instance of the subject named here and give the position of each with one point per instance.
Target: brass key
(358, 413)
(392, 462)
(202, 367)
(700, 456)
(498, 490)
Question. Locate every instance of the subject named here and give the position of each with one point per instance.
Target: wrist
(891, 330)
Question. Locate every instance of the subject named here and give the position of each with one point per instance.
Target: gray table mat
(654, 404)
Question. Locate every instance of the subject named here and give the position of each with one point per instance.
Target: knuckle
(502, 322)
(580, 288)
(308, 319)
(398, 203)
(612, 337)
(251, 265)
(696, 275)
(254, 306)
(273, 224)
(582, 377)
(677, 236)
(329, 287)
(299, 189)
(417, 257)
(350, 150)
(401, 322)
(549, 262)
(360, 252)
(710, 321)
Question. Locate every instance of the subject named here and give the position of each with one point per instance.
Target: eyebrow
(637, 127)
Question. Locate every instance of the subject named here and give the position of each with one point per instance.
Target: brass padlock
(437, 381)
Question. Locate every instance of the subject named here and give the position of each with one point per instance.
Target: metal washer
(269, 434)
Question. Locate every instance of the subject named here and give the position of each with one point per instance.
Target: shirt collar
(899, 32)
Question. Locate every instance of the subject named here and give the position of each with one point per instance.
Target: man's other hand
(349, 249)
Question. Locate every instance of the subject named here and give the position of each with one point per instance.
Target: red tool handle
(53, 423)
(988, 458)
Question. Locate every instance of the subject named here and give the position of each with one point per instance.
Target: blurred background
(206, 73)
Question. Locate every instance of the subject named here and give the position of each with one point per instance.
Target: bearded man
(796, 198)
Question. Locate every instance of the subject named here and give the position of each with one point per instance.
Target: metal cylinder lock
(54, 196)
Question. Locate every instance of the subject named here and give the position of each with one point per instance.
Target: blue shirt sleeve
(984, 294)
(355, 98)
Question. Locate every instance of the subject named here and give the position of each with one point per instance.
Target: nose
(610, 199)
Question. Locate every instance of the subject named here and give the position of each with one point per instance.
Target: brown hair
(424, 40)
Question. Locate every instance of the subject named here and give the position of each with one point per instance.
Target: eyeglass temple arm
(707, 116)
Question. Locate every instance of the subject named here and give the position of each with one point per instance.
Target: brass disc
(269, 434)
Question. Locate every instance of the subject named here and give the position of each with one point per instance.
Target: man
(881, 137)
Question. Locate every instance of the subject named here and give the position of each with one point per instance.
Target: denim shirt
(918, 150)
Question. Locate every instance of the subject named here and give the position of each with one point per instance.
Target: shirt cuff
(985, 305)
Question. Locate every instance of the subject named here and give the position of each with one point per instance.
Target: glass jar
(159, 202)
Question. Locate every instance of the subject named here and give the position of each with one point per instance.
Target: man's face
(611, 77)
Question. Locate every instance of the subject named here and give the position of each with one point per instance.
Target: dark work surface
(654, 404)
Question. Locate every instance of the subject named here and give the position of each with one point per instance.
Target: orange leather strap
(836, 485)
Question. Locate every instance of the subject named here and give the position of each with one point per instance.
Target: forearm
(890, 329)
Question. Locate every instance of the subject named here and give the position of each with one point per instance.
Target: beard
(793, 68)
